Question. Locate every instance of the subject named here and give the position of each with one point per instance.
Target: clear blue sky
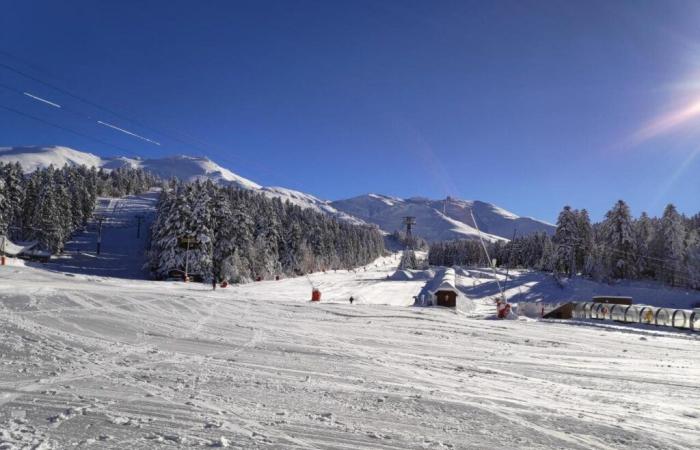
(529, 105)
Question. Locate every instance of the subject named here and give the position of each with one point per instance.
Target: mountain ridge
(443, 219)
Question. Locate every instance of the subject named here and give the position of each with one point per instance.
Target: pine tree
(669, 247)
(5, 210)
(585, 238)
(566, 238)
(692, 258)
(548, 260)
(14, 193)
(619, 242)
(643, 237)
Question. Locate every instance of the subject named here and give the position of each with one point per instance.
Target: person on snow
(213, 284)
(351, 300)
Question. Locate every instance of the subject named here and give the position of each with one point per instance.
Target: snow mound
(406, 275)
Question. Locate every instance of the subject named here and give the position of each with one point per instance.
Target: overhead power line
(180, 137)
(61, 127)
(42, 100)
(138, 136)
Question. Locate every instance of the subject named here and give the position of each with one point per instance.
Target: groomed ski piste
(91, 359)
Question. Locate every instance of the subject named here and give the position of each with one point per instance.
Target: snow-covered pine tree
(50, 213)
(242, 234)
(643, 237)
(566, 239)
(200, 228)
(669, 247)
(223, 247)
(14, 193)
(548, 260)
(585, 236)
(618, 241)
(5, 211)
(692, 259)
(409, 260)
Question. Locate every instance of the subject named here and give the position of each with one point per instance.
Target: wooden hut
(445, 291)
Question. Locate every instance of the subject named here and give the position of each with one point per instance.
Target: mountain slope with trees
(49, 204)
(241, 235)
(666, 249)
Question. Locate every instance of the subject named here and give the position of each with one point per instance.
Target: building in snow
(445, 290)
(25, 250)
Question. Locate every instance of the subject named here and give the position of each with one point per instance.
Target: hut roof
(445, 281)
(13, 249)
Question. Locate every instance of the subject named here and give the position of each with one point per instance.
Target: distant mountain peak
(448, 218)
(184, 167)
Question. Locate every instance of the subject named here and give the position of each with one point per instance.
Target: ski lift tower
(408, 261)
(409, 221)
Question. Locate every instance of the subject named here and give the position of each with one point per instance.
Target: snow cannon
(502, 309)
(315, 295)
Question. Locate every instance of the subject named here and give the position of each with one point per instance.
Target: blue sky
(529, 105)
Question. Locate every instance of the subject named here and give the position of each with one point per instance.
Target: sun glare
(667, 122)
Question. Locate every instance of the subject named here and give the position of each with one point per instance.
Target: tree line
(666, 249)
(226, 233)
(50, 204)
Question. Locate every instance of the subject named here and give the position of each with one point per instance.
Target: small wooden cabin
(445, 293)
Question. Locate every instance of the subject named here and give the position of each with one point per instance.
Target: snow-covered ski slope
(123, 247)
(127, 364)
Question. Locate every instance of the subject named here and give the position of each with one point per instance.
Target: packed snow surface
(97, 361)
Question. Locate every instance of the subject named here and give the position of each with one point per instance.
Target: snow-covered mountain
(184, 167)
(441, 219)
(187, 168)
(435, 219)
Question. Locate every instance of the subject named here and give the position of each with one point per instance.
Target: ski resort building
(25, 250)
(445, 290)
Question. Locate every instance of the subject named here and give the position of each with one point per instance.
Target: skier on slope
(351, 300)
(213, 284)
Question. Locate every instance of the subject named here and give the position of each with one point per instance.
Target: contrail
(127, 132)
(43, 100)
